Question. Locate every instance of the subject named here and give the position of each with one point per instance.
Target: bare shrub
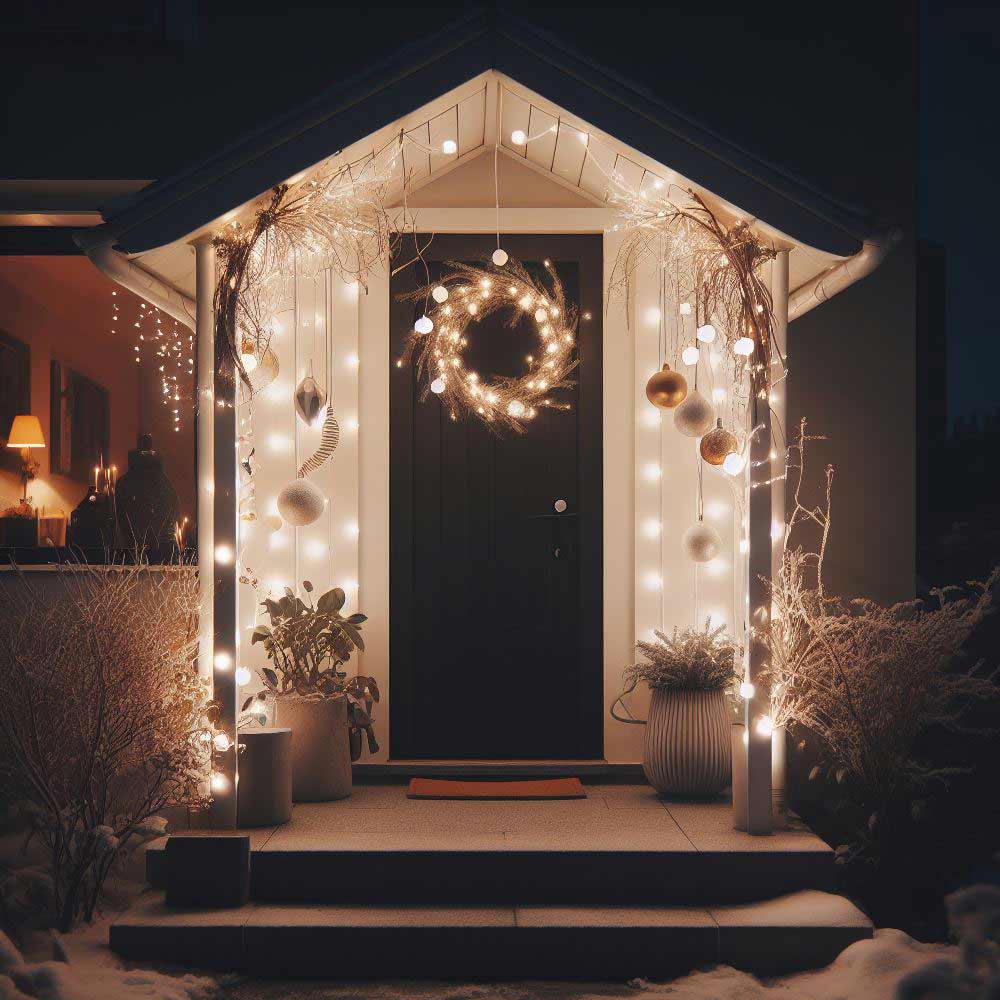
(868, 681)
(103, 718)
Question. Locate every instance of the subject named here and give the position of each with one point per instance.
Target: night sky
(864, 99)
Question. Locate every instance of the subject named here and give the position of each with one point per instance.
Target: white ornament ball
(440, 293)
(500, 257)
(272, 522)
(706, 333)
(743, 347)
(301, 503)
(733, 463)
(701, 542)
(437, 385)
(695, 416)
(424, 325)
(690, 355)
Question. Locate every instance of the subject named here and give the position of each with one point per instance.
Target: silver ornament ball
(701, 542)
(300, 503)
(695, 416)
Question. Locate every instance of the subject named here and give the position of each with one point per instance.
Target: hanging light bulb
(518, 137)
(424, 325)
(747, 690)
(743, 347)
(221, 742)
(437, 386)
(449, 146)
(706, 333)
(440, 293)
(733, 463)
(500, 257)
(242, 676)
(690, 355)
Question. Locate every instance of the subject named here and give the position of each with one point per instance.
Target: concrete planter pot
(321, 749)
(687, 745)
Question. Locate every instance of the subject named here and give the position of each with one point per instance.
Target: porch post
(217, 561)
(204, 441)
(762, 547)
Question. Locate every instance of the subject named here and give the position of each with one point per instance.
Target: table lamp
(26, 433)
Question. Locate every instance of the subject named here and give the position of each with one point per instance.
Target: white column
(779, 405)
(205, 449)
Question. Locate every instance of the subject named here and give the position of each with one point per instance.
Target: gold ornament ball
(666, 388)
(716, 444)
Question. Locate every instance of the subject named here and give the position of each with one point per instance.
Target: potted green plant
(308, 645)
(691, 675)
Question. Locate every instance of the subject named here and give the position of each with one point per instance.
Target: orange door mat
(546, 788)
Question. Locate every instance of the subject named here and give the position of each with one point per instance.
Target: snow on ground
(867, 970)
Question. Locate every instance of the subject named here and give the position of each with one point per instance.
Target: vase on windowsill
(691, 677)
(308, 644)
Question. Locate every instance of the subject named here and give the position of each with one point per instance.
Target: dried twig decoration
(335, 219)
(724, 265)
(468, 295)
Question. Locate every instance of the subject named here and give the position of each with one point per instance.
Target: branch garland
(724, 264)
(473, 293)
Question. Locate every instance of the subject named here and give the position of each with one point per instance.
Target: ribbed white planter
(687, 745)
(321, 748)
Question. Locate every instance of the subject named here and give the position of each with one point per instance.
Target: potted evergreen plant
(691, 675)
(307, 645)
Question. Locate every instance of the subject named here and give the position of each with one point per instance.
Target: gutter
(127, 273)
(841, 276)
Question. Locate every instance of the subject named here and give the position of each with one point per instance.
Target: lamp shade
(26, 432)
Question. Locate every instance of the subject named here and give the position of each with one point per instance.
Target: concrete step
(802, 930)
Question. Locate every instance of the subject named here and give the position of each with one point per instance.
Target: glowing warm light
(777, 531)
(652, 470)
(515, 408)
(654, 581)
(437, 386)
(685, 309)
(219, 782)
(716, 509)
(351, 423)
(222, 742)
(690, 355)
(653, 528)
(440, 293)
(449, 147)
(352, 530)
(706, 333)
(316, 549)
(223, 661)
(744, 546)
(424, 325)
(652, 315)
(747, 690)
(650, 416)
(500, 257)
(518, 137)
(242, 676)
(224, 554)
(733, 463)
(279, 442)
(353, 361)
(764, 726)
(743, 347)
(719, 394)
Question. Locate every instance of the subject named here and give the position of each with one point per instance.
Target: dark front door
(495, 589)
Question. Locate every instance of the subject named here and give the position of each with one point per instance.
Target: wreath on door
(453, 306)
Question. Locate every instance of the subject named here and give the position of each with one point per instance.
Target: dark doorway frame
(588, 252)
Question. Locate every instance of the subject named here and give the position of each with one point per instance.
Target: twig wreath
(467, 294)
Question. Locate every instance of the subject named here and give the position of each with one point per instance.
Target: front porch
(620, 884)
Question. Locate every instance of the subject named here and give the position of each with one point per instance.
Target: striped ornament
(687, 745)
(327, 445)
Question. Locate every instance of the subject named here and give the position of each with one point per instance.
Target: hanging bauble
(301, 503)
(327, 445)
(701, 542)
(716, 444)
(500, 257)
(666, 388)
(695, 415)
(310, 398)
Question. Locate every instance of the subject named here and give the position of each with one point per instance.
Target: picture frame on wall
(80, 423)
